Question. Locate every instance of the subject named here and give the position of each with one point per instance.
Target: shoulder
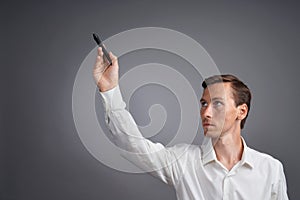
(184, 149)
(264, 160)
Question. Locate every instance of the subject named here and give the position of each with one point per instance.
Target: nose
(206, 112)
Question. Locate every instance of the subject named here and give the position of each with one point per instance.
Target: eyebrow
(213, 99)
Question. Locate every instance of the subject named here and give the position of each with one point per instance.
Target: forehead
(217, 90)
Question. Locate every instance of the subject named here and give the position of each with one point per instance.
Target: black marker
(98, 41)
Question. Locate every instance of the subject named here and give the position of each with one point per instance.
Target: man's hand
(106, 77)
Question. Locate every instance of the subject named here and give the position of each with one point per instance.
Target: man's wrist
(113, 99)
(105, 89)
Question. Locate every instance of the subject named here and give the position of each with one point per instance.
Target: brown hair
(241, 92)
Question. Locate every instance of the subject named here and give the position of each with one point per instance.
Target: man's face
(218, 112)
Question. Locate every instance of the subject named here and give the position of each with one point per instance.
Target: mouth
(207, 124)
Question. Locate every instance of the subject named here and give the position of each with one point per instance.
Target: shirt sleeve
(279, 189)
(152, 157)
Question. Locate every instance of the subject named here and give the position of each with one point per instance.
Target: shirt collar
(209, 154)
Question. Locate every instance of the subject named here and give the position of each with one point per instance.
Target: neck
(229, 149)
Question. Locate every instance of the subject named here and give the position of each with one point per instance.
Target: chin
(212, 134)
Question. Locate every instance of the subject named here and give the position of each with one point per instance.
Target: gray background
(44, 43)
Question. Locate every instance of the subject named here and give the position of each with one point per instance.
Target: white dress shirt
(195, 171)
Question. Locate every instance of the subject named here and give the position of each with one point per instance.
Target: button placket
(226, 188)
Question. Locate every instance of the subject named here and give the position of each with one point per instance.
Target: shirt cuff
(112, 99)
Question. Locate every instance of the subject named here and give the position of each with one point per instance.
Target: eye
(203, 104)
(217, 103)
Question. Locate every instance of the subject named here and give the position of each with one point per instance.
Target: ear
(242, 111)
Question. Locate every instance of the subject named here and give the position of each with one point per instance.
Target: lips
(206, 124)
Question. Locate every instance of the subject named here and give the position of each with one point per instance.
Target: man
(224, 167)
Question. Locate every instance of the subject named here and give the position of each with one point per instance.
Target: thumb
(113, 57)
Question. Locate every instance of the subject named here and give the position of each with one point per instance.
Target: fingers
(99, 65)
(100, 52)
(113, 58)
(99, 56)
(101, 61)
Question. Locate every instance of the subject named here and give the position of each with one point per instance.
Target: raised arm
(165, 163)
